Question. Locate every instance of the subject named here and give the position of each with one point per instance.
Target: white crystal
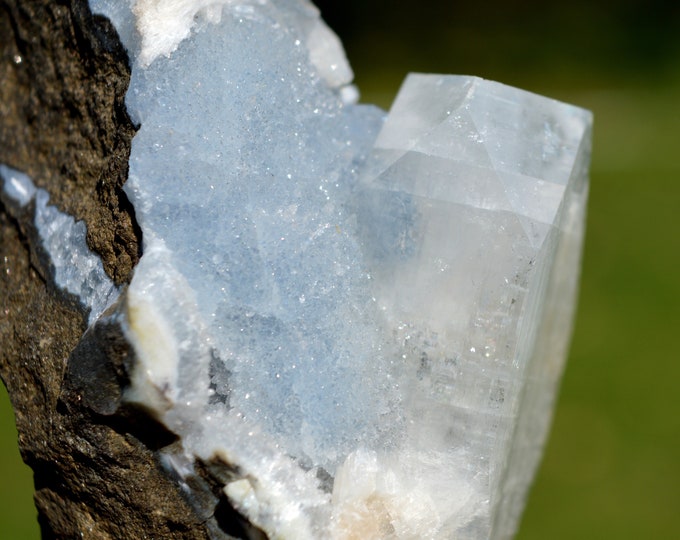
(471, 214)
(164, 24)
(17, 185)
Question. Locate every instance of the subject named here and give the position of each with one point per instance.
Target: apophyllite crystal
(470, 214)
(363, 317)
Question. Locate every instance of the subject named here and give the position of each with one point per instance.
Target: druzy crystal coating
(365, 314)
(75, 268)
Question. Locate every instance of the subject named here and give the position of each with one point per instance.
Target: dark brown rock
(63, 77)
(63, 121)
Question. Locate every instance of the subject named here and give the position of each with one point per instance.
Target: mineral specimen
(357, 322)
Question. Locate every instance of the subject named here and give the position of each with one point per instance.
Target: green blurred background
(612, 465)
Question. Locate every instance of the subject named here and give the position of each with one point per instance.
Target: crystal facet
(471, 218)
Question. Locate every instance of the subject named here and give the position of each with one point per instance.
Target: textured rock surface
(64, 76)
(62, 120)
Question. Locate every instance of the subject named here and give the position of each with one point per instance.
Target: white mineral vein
(76, 269)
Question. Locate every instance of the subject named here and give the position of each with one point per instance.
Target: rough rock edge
(62, 120)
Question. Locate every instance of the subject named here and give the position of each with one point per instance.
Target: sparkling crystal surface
(366, 315)
(75, 268)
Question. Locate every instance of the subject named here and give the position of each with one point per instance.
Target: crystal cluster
(364, 314)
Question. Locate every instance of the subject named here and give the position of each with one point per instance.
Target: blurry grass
(17, 513)
(612, 466)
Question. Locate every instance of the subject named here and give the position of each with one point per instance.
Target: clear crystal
(471, 218)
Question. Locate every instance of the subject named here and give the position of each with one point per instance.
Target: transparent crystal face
(467, 216)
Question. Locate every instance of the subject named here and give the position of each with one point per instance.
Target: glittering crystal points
(353, 323)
